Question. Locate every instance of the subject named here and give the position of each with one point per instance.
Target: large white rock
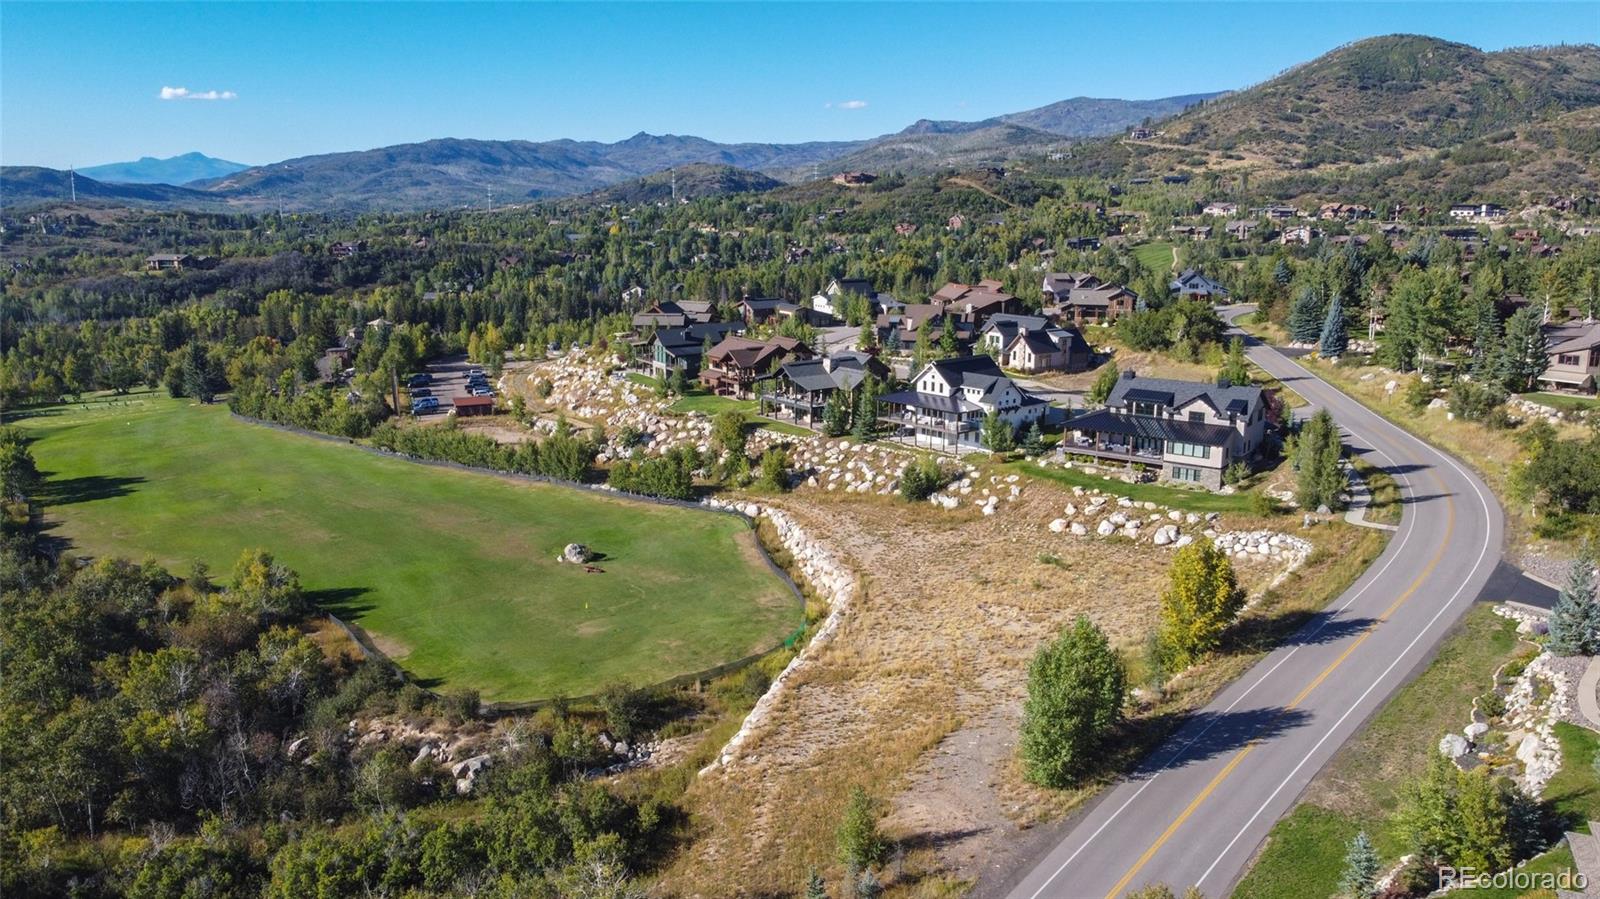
(1078, 530)
(1455, 746)
(1057, 526)
(1106, 528)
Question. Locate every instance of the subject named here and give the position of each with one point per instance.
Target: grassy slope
(1360, 788)
(452, 572)
(1176, 497)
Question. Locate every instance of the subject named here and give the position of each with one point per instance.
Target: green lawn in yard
(643, 380)
(1189, 500)
(1565, 402)
(1156, 256)
(711, 404)
(452, 572)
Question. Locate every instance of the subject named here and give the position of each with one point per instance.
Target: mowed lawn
(453, 573)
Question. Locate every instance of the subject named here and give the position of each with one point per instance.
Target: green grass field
(453, 573)
(1155, 256)
(1565, 402)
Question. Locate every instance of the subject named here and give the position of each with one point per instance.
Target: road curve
(1196, 809)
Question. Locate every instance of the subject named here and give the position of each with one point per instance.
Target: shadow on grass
(341, 601)
(89, 488)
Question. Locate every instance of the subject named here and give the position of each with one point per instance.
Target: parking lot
(449, 382)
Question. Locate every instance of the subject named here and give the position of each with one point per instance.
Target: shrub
(1075, 693)
(859, 841)
(920, 479)
(1199, 603)
(1474, 401)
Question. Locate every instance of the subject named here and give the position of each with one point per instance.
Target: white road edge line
(1488, 518)
(1371, 578)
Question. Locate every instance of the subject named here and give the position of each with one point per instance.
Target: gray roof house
(1192, 285)
(1186, 430)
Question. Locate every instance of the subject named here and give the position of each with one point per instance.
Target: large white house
(946, 403)
(1032, 343)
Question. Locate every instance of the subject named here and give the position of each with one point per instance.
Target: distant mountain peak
(176, 170)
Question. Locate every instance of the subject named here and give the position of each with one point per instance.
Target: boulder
(1078, 530)
(576, 553)
(1475, 730)
(1106, 528)
(1057, 526)
(1454, 746)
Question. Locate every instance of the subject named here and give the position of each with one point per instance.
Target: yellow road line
(1450, 524)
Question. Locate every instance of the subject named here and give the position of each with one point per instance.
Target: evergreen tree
(836, 414)
(921, 350)
(1575, 620)
(1319, 479)
(1201, 600)
(1075, 694)
(1234, 369)
(1033, 443)
(815, 887)
(1526, 350)
(1305, 317)
(1335, 337)
(866, 417)
(1282, 275)
(1486, 337)
(947, 338)
(868, 338)
(858, 839)
(1360, 878)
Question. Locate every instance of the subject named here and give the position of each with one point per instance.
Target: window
(1192, 450)
(1197, 416)
(1568, 359)
(1185, 473)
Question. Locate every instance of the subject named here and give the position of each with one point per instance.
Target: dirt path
(964, 182)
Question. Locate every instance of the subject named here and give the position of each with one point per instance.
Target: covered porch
(930, 421)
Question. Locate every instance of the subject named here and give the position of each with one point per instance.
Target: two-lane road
(1196, 810)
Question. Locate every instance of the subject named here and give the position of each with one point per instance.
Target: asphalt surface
(1196, 810)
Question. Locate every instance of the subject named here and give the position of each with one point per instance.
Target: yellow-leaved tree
(1201, 600)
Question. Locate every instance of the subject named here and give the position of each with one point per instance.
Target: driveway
(1196, 810)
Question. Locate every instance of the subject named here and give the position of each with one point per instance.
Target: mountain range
(172, 170)
(1395, 112)
(456, 172)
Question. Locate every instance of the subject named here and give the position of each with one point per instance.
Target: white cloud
(853, 104)
(183, 93)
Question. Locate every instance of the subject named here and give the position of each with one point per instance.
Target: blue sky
(83, 84)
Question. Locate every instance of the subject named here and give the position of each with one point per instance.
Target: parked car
(482, 391)
(421, 379)
(420, 392)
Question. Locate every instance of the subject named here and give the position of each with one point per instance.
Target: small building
(758, 310)
(1241, 229)
(1031, 343)
(1574, 360)
(947, 401)
(168, 262)
(974, 303)
(1482, 212)
(1190, 232)
(799, 391)
(1101, 304)
(1188, 430)
(474, 405)
(827, 302)
(1191, 285)
(854, 179)
(344, 249)
(1220, 209)
(734, 364)
(1301, 234)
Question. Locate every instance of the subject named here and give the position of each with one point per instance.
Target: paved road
(1197, 809)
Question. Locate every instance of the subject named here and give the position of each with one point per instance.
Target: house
(854, 179)
(1241, 229)
(827, 302)
(756, 311)
(1101, 304)
(955, 222)
(1083, 243)
(679, 349)
(1191, 431)
(1302, 234)
(163, 262)
(1030, 343)
(734, 364)
(902, 326)
(1220, 209)
(1142, 134)
(1190, 232)
(1482, 212)
(947, 400)
(1574, 361)
(344, 249)
(800, 390)
(974, 303)
(1191, 285)
(674, 314)
(1059, 285)
(1278, 212)
(1343, 212)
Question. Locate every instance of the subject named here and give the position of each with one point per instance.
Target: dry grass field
(919, 697)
